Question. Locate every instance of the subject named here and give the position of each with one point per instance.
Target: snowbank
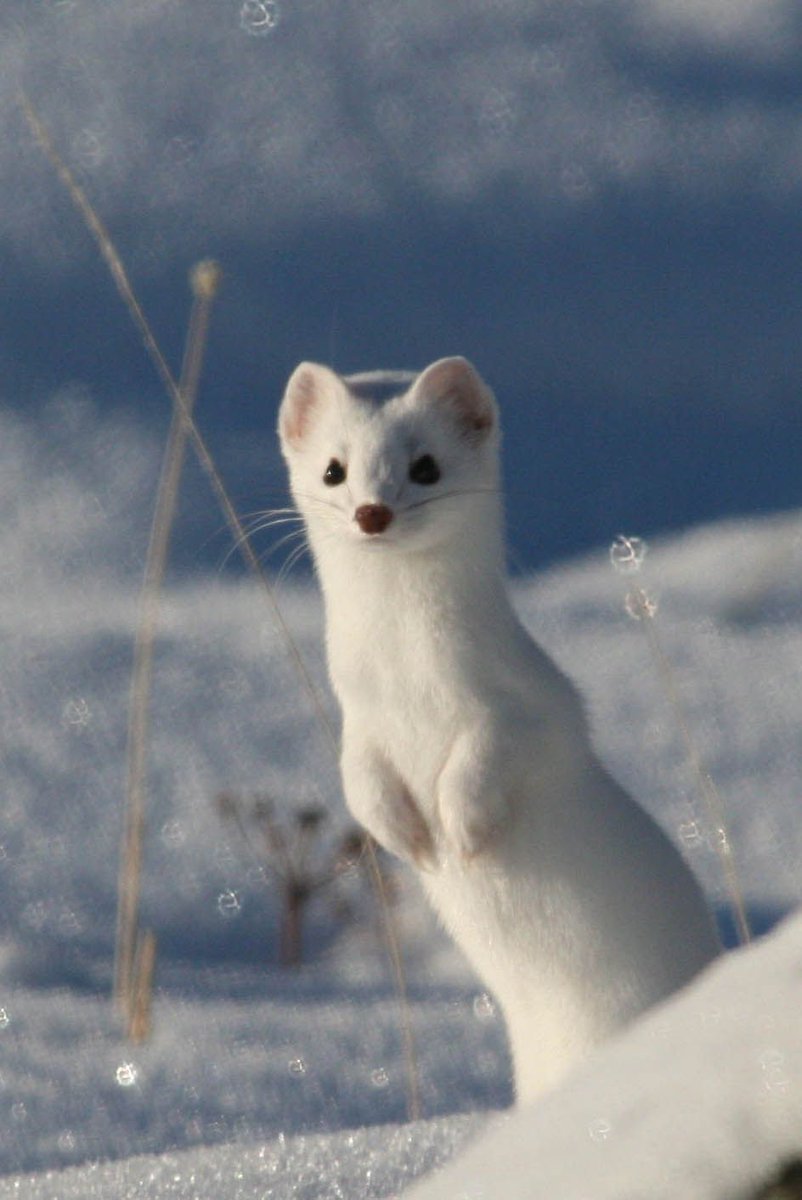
(701, 1099)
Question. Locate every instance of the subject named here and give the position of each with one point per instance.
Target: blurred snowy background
(597, 200)
(598, 203)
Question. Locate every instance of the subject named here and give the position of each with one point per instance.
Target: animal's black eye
(424, 470)
(334, 473)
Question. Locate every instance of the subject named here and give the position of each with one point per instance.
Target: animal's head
(410, 472)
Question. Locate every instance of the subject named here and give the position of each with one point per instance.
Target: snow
(259, 1080)
(364, 1162)
(700, 1099)
(442, 104)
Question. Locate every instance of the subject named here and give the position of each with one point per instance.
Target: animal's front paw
(402, 829)
(472, 827)
(383, 804)
(472, 792)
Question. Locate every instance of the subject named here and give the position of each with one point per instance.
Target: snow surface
(701, 1099)
(259, 1081)
(363, 1163)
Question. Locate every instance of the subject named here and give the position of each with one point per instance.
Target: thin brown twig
(204, 281)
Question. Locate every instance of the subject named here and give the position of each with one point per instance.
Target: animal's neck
(456, 585)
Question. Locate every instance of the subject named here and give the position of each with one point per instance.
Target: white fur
(464, 749)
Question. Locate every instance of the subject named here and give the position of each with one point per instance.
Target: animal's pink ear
(304, 393)
(455, 385)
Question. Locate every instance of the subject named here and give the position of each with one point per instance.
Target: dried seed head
(204, 279)
(310, 819)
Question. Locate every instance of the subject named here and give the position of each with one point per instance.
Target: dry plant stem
(142, 993)
(291, 937)
(204, 282)
(120, 277)
(707, 787)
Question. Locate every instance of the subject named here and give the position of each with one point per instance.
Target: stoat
(465, 750)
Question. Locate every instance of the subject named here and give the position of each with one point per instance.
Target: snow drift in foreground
(701, 1099)
(364, 1164)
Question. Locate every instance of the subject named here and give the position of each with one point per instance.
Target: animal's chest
(403, 698)
(397, 656)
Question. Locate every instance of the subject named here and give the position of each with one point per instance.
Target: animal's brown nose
(373, 518)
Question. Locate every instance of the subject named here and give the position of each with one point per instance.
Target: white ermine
(465, 751)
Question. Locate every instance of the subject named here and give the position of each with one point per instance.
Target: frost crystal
(88, 148)
(228, 904)
(639, 605)
(600, 1130)
(259, 17)
(126, 1075)
(76, 714)
(483, 1007)
(627, 554)
(775, 1079)
(690, 834)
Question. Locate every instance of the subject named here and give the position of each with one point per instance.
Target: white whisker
(259, 522)
(288, 537)
(291, 561)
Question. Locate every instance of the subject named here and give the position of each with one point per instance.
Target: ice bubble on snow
(690, 835)
(228, 904)
(640, 605)
(172, 833)
(775, 1078)
(627, 554)
(126, 1075)
(483, 1007)
(259, 17)
(88, 148)
(76, 714)
(600, 1129)
(5, 1020)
